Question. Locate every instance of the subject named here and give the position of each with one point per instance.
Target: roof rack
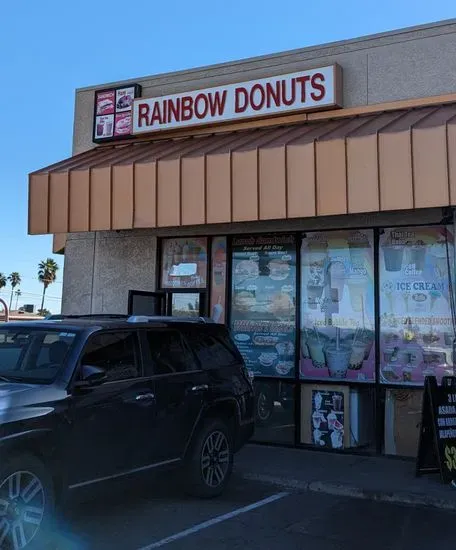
(95, 316)
(167, 319)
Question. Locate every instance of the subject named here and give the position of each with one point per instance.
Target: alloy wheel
(215, 459)
(263, 410)
(22, 502)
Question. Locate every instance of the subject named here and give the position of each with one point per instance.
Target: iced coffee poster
(327, 422)
(218, 280)
(337, 306)
(263, 308)
(416, 326)
(184, 263)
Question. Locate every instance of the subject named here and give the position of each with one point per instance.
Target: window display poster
(416, 325)
(218, 280)
(184, 263)
(337, 306)
(328, 418)
(263, 313)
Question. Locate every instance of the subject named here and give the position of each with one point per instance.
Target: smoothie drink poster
(337, 306)
(184, 263)
(218, 280)
(264, 303)
(416, 326)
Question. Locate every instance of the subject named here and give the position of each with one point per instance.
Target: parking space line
(214, 521)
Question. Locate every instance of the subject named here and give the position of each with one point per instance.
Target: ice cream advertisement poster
(337, 306)
(416, 325)
(263, 308)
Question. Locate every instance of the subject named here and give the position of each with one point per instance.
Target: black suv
(88, 399)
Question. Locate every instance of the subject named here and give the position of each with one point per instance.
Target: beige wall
(412, 63)
(101, 267)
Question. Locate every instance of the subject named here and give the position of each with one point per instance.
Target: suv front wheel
(210, 460)
(26, 504)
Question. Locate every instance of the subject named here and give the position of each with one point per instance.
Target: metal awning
(396, 160)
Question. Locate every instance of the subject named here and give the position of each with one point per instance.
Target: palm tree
(3, 281)
(47, 274)
(15, 280)
(18, 293)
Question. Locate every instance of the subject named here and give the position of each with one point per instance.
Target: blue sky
(52, 47)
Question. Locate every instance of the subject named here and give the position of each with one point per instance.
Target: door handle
(145, 396)
(201, 387)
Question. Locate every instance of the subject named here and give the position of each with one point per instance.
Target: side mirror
(91, 376)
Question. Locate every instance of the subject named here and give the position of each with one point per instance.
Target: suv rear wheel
(210, 461)
(26, 504)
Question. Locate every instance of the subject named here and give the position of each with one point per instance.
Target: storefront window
(337, 417)
(337, 306)
(263, 314)
(184, 263)
(415, 304)
(218, 280)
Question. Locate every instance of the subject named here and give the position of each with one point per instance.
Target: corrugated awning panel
(388, 161)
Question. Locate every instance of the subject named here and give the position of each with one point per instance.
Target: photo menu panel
(113, 112)
(263, 313)
(416, 321)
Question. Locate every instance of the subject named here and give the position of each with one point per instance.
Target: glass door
(187, 304)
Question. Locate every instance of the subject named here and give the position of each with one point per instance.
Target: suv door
(180, 390)
(111, 423)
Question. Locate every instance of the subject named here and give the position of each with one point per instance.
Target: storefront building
(305, 199)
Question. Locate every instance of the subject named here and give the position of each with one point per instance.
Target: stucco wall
(100, 269)
(406, 64)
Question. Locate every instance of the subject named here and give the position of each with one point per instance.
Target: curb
(337, 489)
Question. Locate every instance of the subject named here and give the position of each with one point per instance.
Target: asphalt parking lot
(250, 515)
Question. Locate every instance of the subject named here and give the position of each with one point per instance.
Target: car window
(115, 352)
(212, 350)
(33, 355)
(169, 352)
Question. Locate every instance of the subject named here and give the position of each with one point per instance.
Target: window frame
(148, 363)
(136, 349)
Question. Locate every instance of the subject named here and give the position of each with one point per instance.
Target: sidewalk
(374, 478)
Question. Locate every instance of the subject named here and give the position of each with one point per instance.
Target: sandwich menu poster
(264, 302)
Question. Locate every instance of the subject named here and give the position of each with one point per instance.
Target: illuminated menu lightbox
(112, 117)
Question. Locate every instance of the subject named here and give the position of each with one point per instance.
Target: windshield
(33, 355)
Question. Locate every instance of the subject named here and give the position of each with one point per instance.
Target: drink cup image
(217, 313)
(317, 253)
(337, 275)
(417, 254)
(439, 257)
(337, 360)
(337, 402)
(393, 256)
(357, 289)
(109, 128)
(358, 243)
(314, 294)
(316, 350)
(357, 355)
(316, 420)
(100, 129)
